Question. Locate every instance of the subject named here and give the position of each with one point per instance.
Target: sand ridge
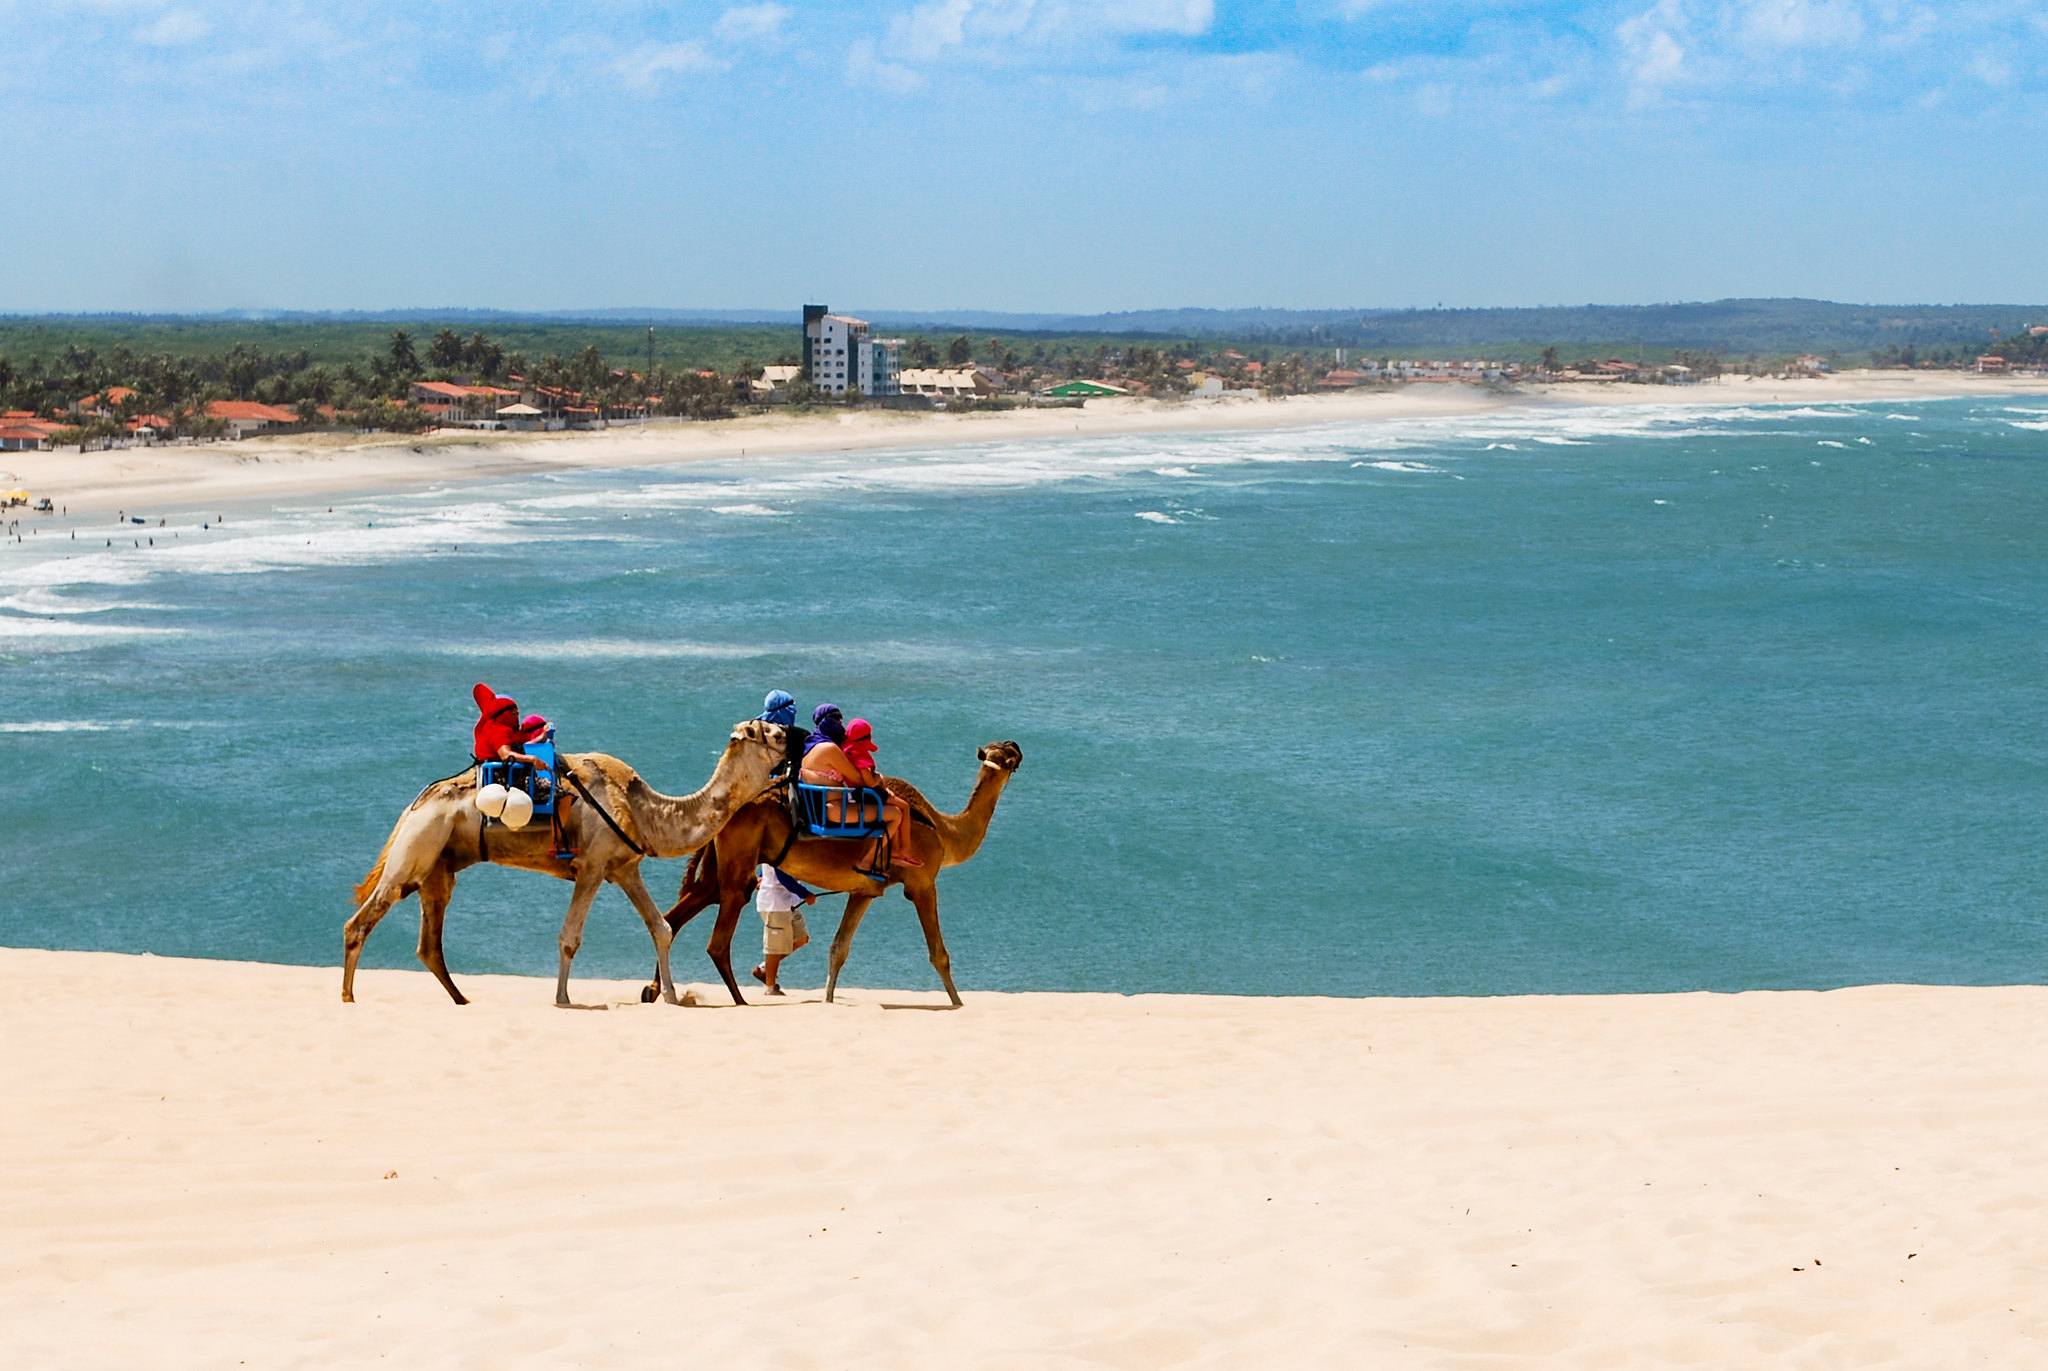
(208, 1163)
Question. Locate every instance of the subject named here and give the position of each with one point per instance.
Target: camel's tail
(710, 850)
(369, 883)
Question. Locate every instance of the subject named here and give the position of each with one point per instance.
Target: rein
(591, 800)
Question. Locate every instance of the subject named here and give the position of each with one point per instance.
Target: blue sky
(1018, 155)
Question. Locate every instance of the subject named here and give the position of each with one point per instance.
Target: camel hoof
(647, 994)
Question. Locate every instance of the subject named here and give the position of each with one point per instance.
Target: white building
(838, 355)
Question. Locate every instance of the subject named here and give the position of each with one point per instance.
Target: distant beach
(261, 470)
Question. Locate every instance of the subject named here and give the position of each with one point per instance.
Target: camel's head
(1004, 757)
(757, 748)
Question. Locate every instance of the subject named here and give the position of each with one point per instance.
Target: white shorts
(781, 931)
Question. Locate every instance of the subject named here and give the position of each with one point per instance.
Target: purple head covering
(831, 728)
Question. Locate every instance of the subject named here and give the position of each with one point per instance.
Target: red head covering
(533, 726)
(499, 726)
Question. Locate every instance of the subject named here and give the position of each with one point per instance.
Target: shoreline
(217, 1161)
(262, 471)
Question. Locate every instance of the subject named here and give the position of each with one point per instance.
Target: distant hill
(1729, 326)
(1734, 328)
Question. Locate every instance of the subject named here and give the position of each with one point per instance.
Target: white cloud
(863, 68)
(1185, 17)
(930, 29)
(646, 66)
(751, 22)
(937, 29)
(1802, 23)
(173, 30)
(1652, 53)
(1993, 70)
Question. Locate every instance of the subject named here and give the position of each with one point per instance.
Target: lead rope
(612, 823)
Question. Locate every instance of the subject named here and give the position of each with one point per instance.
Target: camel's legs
(629, 881)
(357, 931)
(587, 883)
(696, 896)
(730, 903)
(693, 899)
(435, 891)
(842, 941)
(927, 901)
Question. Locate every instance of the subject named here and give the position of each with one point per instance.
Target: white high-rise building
(838, 355)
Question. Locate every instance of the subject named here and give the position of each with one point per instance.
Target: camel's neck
(962, 833)
(675, 825)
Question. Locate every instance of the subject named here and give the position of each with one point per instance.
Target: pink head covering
(859, 746)
(533, 726)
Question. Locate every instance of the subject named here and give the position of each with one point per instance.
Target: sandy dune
(219, 475)
(212, 1164)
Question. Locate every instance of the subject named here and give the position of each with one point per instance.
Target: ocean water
(1582, 700)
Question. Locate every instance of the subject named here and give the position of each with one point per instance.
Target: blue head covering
(831, 728)
(779, 708)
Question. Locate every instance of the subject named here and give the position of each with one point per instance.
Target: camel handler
(783, 930)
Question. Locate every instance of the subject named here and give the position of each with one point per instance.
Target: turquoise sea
(1596, 700)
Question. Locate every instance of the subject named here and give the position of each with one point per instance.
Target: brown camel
(441, 832)
(724, 872)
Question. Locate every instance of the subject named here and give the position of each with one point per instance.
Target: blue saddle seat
(815, 803)
(538, 785)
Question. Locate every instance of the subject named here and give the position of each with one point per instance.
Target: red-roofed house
(103, 403)
(245, 417)
(21, 431)
(1991, 362)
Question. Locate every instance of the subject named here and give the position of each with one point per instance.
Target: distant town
(126, 397)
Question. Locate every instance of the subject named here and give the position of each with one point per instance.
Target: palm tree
(445, 352)
(405, 363)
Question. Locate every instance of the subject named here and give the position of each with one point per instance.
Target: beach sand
(217, 1164)
(267, 470)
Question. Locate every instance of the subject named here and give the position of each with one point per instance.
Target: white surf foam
(36, 600)
(616, 649)
(59, 726)
(1153, 516)
(15, 627)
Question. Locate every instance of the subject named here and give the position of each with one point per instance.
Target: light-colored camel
(723, 873)
(441, 832)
